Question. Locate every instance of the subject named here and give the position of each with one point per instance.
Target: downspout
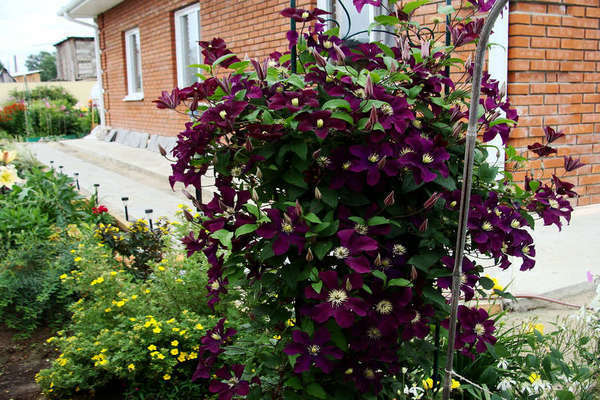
(101, 110)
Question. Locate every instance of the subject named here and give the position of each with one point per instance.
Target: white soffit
(89, 8)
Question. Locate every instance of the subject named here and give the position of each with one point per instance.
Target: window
(133, 58)
(352, 22)
(187, 35)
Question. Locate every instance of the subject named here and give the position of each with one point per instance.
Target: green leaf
(316, 390)
(336, 103)
(205, 67)
(300, 148)
(379, 274)
(245, 229)
(487, 173)
(378, 221)
(399, 282)
(413, 5)
(312, 218)
(424, 261)
(295, 178)
(317, 286)
(320, 249)
(448, 182)
(445, 10)
(294, 382)
(486, 283)
(387, 20)
(240, 66)
(223, 236)
(297, 81)
(337, 336)
(267, 117)
(329, 197)
(506, 121)
(343, 116)
(534, 185)
(565, 395)
(221, 59)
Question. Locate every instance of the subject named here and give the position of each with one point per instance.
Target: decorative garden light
(60, 169)
(465, 196)
(76, 174)
(125, 200)
(96, 186)
(149, 212)
(52, 164)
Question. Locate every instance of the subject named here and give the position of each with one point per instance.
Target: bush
(45, 93)
(54, 119)
(12, 119)
(132, 338)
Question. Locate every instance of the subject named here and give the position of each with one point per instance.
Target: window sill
(134, 97)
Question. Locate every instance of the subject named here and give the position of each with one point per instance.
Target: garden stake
(293, 50)
(465, 195)
(125, 200)
(52, 164)
(60, 169)
(77, 180)
(149, 214)
(96, 185)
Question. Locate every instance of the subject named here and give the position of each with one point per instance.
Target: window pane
(356, 23)
(136, 73)
(190, 35)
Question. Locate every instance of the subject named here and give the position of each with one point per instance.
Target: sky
(30, 26)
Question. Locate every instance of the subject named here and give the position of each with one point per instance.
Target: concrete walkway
(563, 258)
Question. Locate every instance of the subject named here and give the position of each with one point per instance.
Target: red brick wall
(251, 28)
(554, 79)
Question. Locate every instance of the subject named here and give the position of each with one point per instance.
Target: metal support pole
(77, 180)
(465, 196)
(96, 185)
(293, 58)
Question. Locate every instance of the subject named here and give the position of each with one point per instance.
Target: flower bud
(318, 194)
(162, 151)
(377, 260)
(254, 195)
(369, 86)
(432, 200)
(188, 216)
(424, 225)
(248, 145)
(309, 255)
(413, 273)
(373, 118)
(389, 199)
(381, 163)
(298, 208)
(259, 174)
(318, 57)
(340, 54)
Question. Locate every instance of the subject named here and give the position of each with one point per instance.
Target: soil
(20, 360)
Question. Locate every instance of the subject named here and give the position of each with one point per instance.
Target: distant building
(75, 59)
(5, 77)
(31, 76)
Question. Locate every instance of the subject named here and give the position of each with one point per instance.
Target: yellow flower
(152, 347)
(8, 156)
(8, 176)
(134, 297)
(156, 330)
(73, 231)
(174, 343)
(277, 337)
(534, 377)
(536, 327)
(120, 303)
(161, 268)
(199, 327)
(160, 356)
(174, 352)
(170, 321)
(84, 109)
(193, 355)
(64, 276)
(428, 383)
(291, 322)
(166, 377)
(455, 384)
(108, 309)
(113, 273)
(131, 367)
(72, 251)
(147, 291)
(77, 259)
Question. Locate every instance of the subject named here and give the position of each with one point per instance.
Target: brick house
(549, 61)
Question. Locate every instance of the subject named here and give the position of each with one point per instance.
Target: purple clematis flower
(319, 122)
(423, 157)
(416, 321)
(223, 115)
(343, 176)
(351, 247)
(216, 337)
(387, 308)
(294, 101)
(169, 100)
(300, 15)
(563, 187)
(552, 135)
(214, 50)
(313, 351)
(228, 385)
(468, 280)
(551, 207)
(475, 330)
(359, 4)
(335, 299)
(287, 231)
(374, 159)
(541, 150)
(466, 33)
(571, 165)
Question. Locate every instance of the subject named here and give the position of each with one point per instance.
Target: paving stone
(167, 142)
(110, 136)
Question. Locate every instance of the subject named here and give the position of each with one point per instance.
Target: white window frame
(132, 94)
(327, 5)
(181, 65)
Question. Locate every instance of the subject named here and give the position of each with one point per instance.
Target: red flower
(99, 210)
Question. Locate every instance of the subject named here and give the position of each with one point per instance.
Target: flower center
(497, 211)
(323, 161)
(373, 333)
(313, 349)
(236, 171)
(287, 227)
(327, 44)
(384, 307)
(427, 158)
(295, 101)
(341, 252)
(487, 226)
(337, 297)
(387, 109)
(515, 223)
(305, 14)
(374, 157)
(369, 374)
(479, 329)
(525, 249)
(361, 229)
(417, 318)
(399, 249)
(320, 123)
(405, 150)
(453, 203)
(553, 203)
(233, 381)
(360, 93)
(386, 263)
(215, 336)
(504, 247)
(223, 114)
(215, 285)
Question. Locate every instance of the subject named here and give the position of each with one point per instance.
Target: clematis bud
(259, 174)
(425, 48)
(381, 163)
(389, 199)
(432, 200)
(423, 226)
(188, 216)
(316, 154)
(187, 194)
(417, 124)
(377, 260)
(162, 151)
(340, 54)
(318, 57)
(298, 208)
(318, 194)
(413, 273)
(369, 86)
(248, 145)
(254, 195)
(373, 118)
(309, 255)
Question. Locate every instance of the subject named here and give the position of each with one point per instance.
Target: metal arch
(465, 196)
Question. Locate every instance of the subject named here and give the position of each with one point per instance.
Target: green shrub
(49, 93)
(53, 119)
(138, 336)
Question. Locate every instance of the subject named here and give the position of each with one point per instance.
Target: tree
(45, 62)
